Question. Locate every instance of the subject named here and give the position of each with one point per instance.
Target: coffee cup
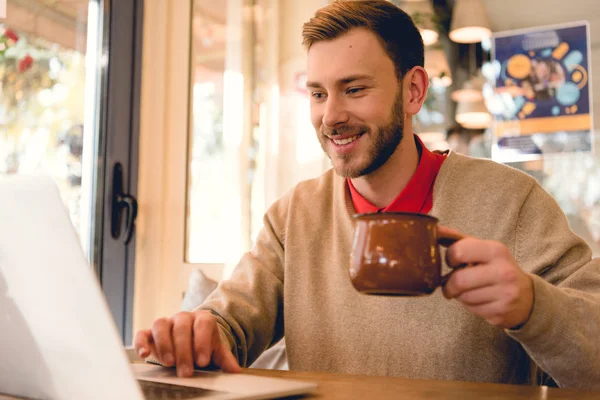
(397, 254)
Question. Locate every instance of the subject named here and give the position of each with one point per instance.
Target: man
(531, 298)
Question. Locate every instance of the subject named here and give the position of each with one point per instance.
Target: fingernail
(184, 371)
(201, 360)
(169, 360)
(142, 352)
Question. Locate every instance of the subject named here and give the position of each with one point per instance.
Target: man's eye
(354, 90)
(318, 95)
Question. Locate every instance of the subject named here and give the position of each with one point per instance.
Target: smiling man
(361, 105)
(531, 298)
(358, 116)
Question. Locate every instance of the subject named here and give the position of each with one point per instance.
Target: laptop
(57, 336)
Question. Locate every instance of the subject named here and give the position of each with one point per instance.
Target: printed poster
(542, 100)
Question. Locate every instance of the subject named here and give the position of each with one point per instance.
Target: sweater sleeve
(249, 305)
(563, 331)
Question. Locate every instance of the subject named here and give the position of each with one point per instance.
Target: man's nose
(335, 112)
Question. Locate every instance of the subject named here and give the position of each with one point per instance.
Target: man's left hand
(494, 286)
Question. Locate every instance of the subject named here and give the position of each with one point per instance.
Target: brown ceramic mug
(397, 254)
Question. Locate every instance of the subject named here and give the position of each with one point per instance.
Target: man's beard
(381, 147)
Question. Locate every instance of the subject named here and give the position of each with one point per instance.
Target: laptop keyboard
(164, 391)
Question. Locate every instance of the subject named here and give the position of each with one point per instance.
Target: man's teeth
(345, 141)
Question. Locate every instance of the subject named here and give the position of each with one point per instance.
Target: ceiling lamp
(436, 65)
(470, 23)
(423, 16)
(430, 36)
(473, 115)
(471, 91)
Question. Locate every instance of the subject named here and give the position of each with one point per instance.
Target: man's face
(356, 102)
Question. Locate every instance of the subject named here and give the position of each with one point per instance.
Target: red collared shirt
(417, 196)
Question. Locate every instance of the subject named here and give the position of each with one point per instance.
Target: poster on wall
(542, 100)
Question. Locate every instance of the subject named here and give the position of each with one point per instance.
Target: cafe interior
(199, 109)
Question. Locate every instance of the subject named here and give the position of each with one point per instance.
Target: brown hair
(395, 29)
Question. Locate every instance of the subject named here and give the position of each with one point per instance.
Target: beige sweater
(295, 283)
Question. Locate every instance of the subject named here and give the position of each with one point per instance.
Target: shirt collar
(414, 196)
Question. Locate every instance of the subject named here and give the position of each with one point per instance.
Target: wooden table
(337, 386)
(348, 387)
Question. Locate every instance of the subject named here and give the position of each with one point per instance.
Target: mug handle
(448, 239)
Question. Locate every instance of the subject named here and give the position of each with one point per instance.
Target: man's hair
(394, 28)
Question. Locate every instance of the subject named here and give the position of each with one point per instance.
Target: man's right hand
(184, 338)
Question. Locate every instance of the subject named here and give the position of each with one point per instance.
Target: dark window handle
(122, 201)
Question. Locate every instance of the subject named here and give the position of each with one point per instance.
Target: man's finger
(182, 340)
(161, 332)
(469, 278)
(482, 296)
(475, 251)
(204, 326)
(223, 357)
(143, 343)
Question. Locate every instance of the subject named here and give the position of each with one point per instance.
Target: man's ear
(415, 85)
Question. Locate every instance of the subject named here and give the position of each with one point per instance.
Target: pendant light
(436, 65)
(422, 14)
(468, 93)
(430, 36)
(473, 115)
(473, 87)
(470, 23)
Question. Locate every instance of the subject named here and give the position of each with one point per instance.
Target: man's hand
(184, 338)
(494, 286)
